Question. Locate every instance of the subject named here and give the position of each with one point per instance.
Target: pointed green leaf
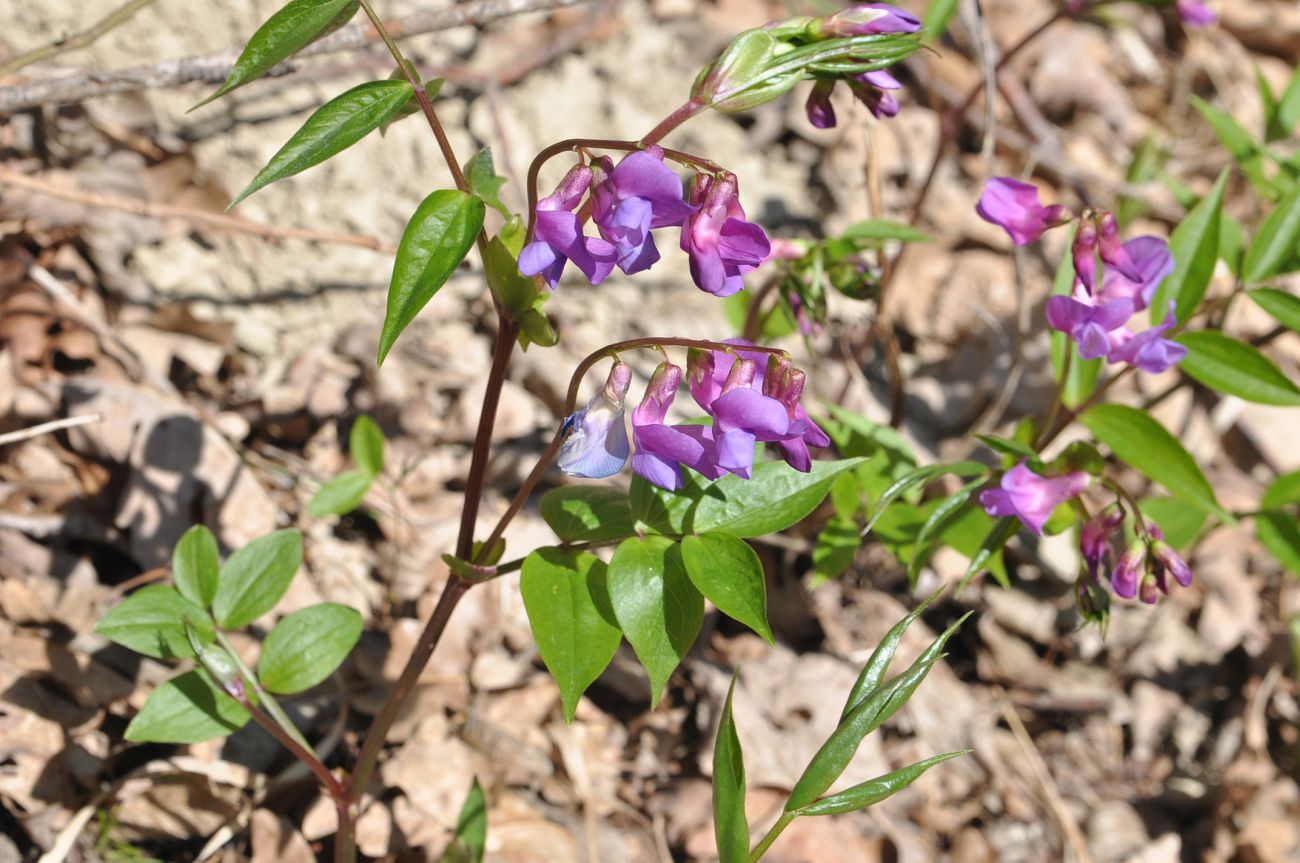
(468, 844)
(775, 498)
(669, 512)
(255, 577)
(335, 126)
(730, 575)
(195, 564)
(587, 513)
(152, 621)
(879, 230)
(1276, 524)
(436, 240)
(187, 709)
(988, 554)
(340, 495)
(878, 789)
(1195, 247)
(516, 292)
(1288, 106)
(1180, 522)
(1240, 143)
(730, 827)
(484, 181)
(1284, 307)
(1236, 368)
(566, 596)
(939, 517)
(838, 750)
(366, 444)
(657, 606)
(873, 673)
(916, 478)
(937, 15)
(1136, 438)
(1277, 245)
(305, 647)
(288, 31)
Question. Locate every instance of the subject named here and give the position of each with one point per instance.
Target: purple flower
(1168, 560)
(1094, 541)
(662, 449)
(1030, 497)
(821, 113)
(1089, 324)
(1125, 576)
(558, 238)
(1149, 263)
(596, 442)
(869, 19)
(722, 246)
(1014, 206)
(873, 89)
(1148, 350)
(640, 194)
(1195, 13)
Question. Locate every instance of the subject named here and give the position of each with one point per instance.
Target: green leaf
(730, 827)
(284, 34)
(1284, 307)
(1195, 247)
(340, 495)
(876, 790)
(872, 712)
(152, 621)
(657, 606)
(837, 546)
(366, 443)
(1135, 437)
(879, 230)
(587, 513)
(775, 498)
(515, 291)
(1081, 376)
(187, 709)
(484, 181)
(873, 673)
(916, 478)
(1275, 246)
(988, 555)
(1276, 527)
(661, 511)
(566, 596)
(305, 647)
(937, 16)
(1240, 143)
(468, 844)
(1181, 522)
(335, 126)
(730, 575)
(195, 564)
(1236, 368)
(945, 511)
(255, 577)
(1288, 107)
(1006, 446)
(436, 240)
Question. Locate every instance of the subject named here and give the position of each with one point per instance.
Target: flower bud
(1173, 562)
(1124, 577)
(1084, 251)
(741, 78)
(217, 663)
(1150, 589)
(659, 395)
(821, 113)
(783, 382)
(1094, 541)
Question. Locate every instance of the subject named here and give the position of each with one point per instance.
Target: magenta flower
(1165, 559)
(1030, 497)
(1196, 14)
(662, 449)
(1088, 323)
(1148, 350)
(869, 19)
(596, 444)
(722, 245)
(874, 89)
(1127, 574)
(641, 194)
(558, 237)
(1094, 540)
(821, 113)
(1014, 207)
(1149, 263)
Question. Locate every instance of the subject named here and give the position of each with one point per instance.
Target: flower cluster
(874, 89)
(1114, 280)
(628, 202)
(1143, 568)
(751, 397)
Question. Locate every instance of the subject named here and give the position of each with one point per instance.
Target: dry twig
(118, 16)
(213, 68)
(51, 426)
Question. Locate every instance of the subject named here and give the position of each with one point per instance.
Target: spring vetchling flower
(722, 245)
(1030, 497)
(558, 237)
(596, 443)
(1014, 206)
(640, 194)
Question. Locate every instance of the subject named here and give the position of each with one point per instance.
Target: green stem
(272, 706)
(1058, 398)
(777, 828)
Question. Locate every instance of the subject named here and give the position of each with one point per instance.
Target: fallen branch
(213, 68)
(51, 426)
(222, 221)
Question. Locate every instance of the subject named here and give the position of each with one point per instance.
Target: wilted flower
(596, 443)
(640, 194)
(1014, 206)
(1030, 497)
(1195, 13)
(558, 237)
(1148, 350)
(722, 245)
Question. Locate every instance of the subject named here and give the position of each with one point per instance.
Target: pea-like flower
(596, 442)
(640, 194)
(1127, 574)
(1088, 322)
(868, 19)
(1014, 206)
(821, 113)
(1195, 13)
(662, 449)
(722, 245)
(1095, 538)
(1149, 262)
(1030, 497)
(875, 90)
(1149, 350)
(558, 237)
